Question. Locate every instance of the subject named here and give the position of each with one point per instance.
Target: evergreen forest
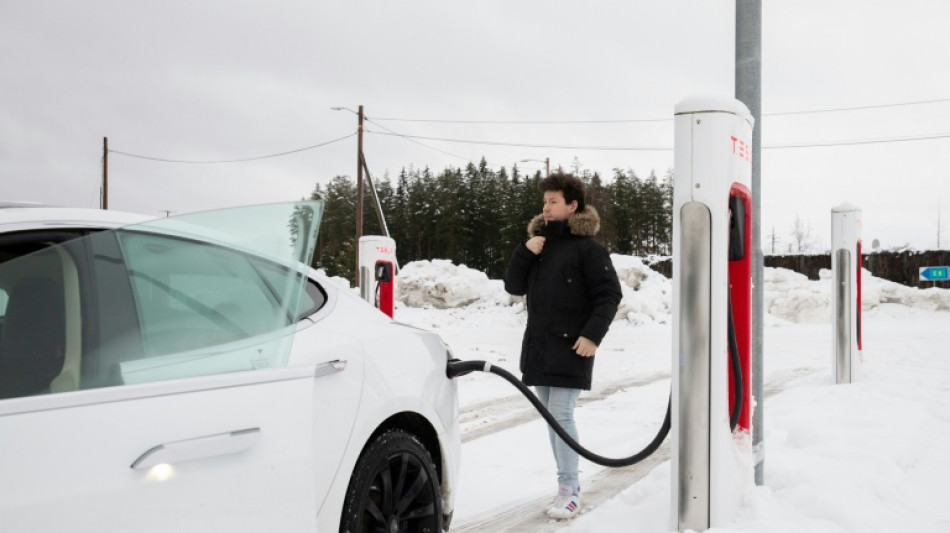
(476, 215)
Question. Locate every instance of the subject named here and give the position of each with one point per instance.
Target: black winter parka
(571, 290)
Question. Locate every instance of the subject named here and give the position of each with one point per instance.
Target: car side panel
(335, 402)
(70, 468)
(404, 372)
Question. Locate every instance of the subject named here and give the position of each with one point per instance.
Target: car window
(33, 341)
(311, 299)
(191, 295)
(168, 299)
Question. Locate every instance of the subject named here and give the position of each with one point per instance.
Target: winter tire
(394, 489)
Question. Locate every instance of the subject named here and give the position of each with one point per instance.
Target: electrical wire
(858, 108)
(417, 138)
(279, 154)
(417, 142)
(665, 119)
(922, 137)
(525, 145)
(408, 138)
(460, 121)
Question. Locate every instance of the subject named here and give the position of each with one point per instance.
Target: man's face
(555, 208)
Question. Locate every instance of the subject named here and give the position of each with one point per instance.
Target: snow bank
(877, 292)
(440, 284)
(647, 294)
(791, 296)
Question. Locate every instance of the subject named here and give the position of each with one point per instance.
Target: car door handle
(329, 368)
(198, 448)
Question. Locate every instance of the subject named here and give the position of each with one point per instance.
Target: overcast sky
(222, 80)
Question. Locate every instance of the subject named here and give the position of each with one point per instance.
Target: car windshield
(197, 294)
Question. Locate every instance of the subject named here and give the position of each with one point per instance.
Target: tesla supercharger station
(378, 271)
(846, 292)
(711, 464)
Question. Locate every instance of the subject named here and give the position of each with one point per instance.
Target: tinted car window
(191, 295)
(311, 299)
(33, 341)
(156, 301)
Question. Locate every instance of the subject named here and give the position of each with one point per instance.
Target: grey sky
(232, 79)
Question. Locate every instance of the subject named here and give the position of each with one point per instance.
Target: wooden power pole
(359, 191)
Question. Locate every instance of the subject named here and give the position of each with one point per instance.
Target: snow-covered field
(873, 456)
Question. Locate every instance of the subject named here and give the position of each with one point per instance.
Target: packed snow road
(604, 484)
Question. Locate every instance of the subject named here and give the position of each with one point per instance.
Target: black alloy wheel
(394, 489)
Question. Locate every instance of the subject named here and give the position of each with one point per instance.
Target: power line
(859, 108)
(419, 143)
(524, 145)
(922, 137)
(462, 121)
(409, 138)
(664, 119)
(164, 160)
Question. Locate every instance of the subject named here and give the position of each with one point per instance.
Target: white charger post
(846, 292)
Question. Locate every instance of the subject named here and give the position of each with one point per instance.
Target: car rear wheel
(394, 489)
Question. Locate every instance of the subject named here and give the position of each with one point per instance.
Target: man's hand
(535, 244)
(585, 347)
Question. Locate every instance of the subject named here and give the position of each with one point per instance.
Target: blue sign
(934, 273)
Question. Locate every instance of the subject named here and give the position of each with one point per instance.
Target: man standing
(572, 293)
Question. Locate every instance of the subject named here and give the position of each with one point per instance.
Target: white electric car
(192, 374)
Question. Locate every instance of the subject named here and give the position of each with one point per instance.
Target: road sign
(934, 273)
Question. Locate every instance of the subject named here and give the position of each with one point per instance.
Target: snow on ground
(873, 456)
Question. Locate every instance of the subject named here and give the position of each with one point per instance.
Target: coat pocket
(573, 282)
(561, 359)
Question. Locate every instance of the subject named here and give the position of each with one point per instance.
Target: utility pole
(104, 201)
(938, 224)
(359, 190)
(748, 87)
(547, 164)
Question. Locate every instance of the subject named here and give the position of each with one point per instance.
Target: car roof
(17, 216)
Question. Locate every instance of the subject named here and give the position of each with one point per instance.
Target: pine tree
(652, 206)
(666, 239)
(338, 229)
(599, 198)
(399, 226)
(452, 212)
(318, 194)
(622, 195)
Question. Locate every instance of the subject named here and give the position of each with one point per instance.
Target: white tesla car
(191, 374)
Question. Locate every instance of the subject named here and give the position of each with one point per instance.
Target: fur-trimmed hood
(585, 223)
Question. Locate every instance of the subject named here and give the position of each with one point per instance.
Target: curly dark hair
(569, 184)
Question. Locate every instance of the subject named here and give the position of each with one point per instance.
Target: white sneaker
(566, 505)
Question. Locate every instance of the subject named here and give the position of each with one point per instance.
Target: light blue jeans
(561, 402)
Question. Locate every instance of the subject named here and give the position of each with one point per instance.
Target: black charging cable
(737, 385)
(458, 368)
